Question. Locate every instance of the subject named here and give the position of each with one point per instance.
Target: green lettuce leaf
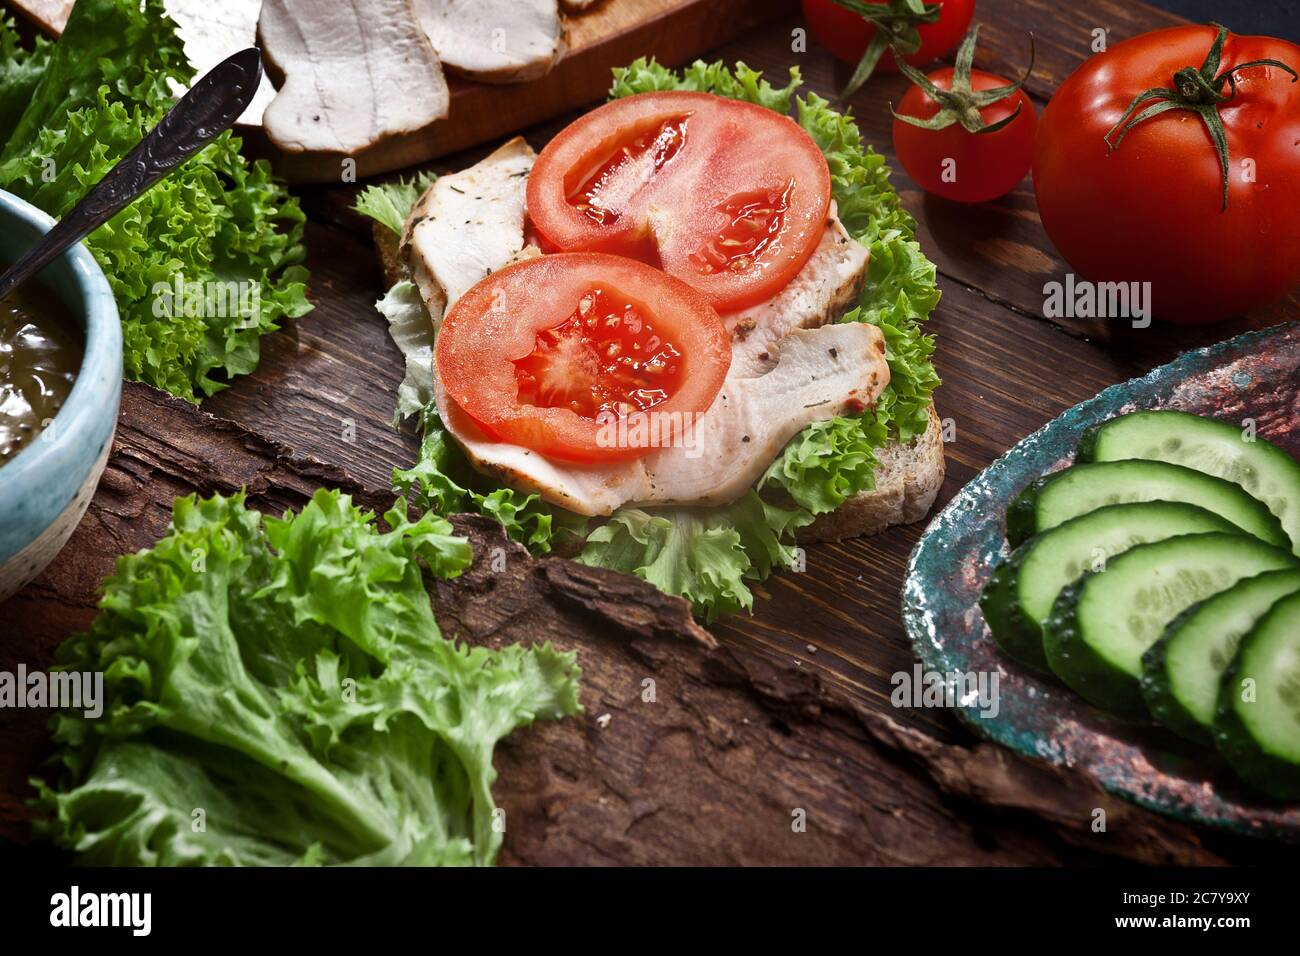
(740, 83)
(277, 692)
(828, 463)
(703, 554)
(20, 72)
(411, 329)
(390, 203)
(218, 224)
(442, 481)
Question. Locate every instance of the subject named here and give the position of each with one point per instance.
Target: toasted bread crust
(908, 478)
(387, 243)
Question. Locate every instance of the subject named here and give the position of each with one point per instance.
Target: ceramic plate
(1257, 376)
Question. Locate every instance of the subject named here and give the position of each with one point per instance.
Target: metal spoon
(204, 113)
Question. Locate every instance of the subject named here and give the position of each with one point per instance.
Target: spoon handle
(205, 112)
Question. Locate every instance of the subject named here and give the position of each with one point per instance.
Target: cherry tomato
(846, 35)
(728, 197)
(1152, 208)
(956, 164)
(546, 352)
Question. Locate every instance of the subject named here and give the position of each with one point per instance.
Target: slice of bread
(907, 476)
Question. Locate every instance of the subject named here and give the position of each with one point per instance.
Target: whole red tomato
(846, 34)
(964, 166)
(1153, 209)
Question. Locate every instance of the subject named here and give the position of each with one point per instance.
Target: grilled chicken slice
(820, 292)
(822, 372)
(337, 95)
(468, 225)
(495, 41)
(788, 369)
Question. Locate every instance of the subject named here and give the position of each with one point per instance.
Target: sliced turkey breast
(822, 290)
(495, 41)
(821, 373)
(788, 369)
(337, 95)
(468, 225)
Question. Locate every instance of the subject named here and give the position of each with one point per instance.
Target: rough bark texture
(688, 751)
(692, 752)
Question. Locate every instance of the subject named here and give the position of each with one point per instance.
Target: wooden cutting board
(607, 34)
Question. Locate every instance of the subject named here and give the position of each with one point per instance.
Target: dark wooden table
(791, 710)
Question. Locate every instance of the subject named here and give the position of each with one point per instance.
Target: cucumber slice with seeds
(1214, 447)
(1022, 590)
(1182, 671)
(1102, 624)
(1259, 733)
(1066, 494)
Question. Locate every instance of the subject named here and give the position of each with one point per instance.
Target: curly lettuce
(276, 692)
(20, 71)
(218, 223)
(710, 556)
(390, 203)
(442, 481)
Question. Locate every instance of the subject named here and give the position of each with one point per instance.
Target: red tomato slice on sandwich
(729, 197)
(550, 353)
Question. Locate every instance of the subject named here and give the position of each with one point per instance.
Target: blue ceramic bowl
(45, 488)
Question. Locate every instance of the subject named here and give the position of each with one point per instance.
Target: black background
(1279, 18)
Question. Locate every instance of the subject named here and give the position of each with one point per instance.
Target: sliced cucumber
(1063, 495)
(1214, 447)
(1022, 590)
(1102, 624)
(1258, 725)
(1182, 671)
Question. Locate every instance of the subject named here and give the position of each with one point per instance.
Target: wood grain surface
(791, 709)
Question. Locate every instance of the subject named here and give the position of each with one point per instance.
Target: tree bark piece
(688, 751)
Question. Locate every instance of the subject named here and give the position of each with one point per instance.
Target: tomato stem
(895, 25)
(1201, 92)
(962, 104)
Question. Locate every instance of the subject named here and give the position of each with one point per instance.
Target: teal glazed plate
(1254, 376)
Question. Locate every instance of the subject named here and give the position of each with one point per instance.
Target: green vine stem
(1200, 91)
(961, 104)
(895, 25)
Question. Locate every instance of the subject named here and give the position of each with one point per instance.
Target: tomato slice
(552, 352)
(729, 197)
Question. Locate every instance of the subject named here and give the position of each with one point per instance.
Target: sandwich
(680, 342)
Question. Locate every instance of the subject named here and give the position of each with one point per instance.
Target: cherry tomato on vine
(965, 134)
